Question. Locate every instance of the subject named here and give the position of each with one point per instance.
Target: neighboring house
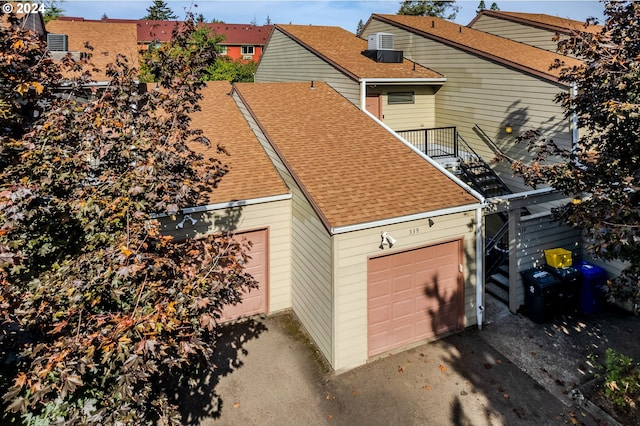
(357, 293)
(399, 92)
(496, 88)
(535, 29)
(251, 200)
(107, 40)
(239, 41)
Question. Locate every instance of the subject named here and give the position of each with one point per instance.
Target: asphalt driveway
(506, 374)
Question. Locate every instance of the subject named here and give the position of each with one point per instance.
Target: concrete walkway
(270, 374)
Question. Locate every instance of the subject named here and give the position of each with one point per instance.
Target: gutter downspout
(479, 215)
(479, 270)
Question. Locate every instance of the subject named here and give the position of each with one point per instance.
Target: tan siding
(420, 114)
(526, 34)
(534, 235)
(275, 216)
(311, 278)
(352, 251)
(286, 60)
(481, 92)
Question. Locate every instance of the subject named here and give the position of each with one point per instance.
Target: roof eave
(404, 81)
(407, 218)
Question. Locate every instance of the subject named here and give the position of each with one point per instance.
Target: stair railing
(494, 147)
(494, 254)
(465, 152)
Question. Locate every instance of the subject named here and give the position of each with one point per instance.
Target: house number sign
(414, 231)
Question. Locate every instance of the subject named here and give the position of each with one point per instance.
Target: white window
(247, 50)
(222, 50)
(394, 98)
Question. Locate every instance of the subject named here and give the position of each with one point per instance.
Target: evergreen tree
(268, 21)
(359, 27)
(52, 10)
(160, 11)
(494, 6)
(437, 8)
(481, 6)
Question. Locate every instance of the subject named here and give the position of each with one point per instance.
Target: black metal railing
(436, 142)
(496, 249)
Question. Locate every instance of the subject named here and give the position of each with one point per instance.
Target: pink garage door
(414, 295)
(254, 301)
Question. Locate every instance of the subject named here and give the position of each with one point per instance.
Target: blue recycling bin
(592, 291)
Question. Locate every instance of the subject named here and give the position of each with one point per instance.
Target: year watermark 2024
(23, 8)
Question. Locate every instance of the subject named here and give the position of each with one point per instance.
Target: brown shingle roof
(107, 40)
(352, 170)
(508, 52)
(251, 173)
(541, 20)
(343, 49)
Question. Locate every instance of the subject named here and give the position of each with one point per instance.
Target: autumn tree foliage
(603, 169)
(101, 313)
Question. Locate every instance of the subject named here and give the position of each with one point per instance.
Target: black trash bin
(592, 292)
(540, 294)
(570, 282)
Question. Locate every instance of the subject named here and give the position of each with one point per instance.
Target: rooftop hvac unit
(57, 42)
(381, 41)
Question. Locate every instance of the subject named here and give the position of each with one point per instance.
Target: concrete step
(504, 269)
(497, 291)
(500, 280)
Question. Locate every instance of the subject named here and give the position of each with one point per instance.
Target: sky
(345, 13)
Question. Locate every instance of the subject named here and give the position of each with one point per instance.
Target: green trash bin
(540, 294)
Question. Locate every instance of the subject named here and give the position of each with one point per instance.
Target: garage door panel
(380, 289)
(402, 283)
(423, 296)
(254, 301)
(381, 315)
(403, 310)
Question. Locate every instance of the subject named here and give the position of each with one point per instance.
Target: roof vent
(380, 41)
(57, 42)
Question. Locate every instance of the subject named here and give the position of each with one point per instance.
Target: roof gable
(540, 20)
(352, 170)
(517, 55)
(343, 50)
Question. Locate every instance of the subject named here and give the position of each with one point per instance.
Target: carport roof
(351, 169)
(251, 174)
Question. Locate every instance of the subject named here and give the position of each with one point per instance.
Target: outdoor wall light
(184, 219)
(508, 129)
(387, 240)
